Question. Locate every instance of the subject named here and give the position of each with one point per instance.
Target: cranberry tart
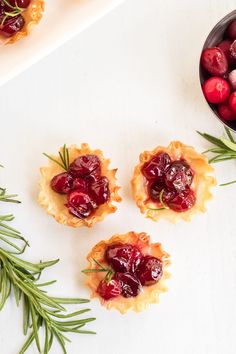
(17, 17)
(172, 182)
(127, 272)
(77, 188)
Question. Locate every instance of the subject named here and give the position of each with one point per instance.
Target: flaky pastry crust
(54, 203)
(32, 16)
(150, 294)
(203, 181)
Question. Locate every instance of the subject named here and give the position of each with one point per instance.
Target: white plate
(62, 20)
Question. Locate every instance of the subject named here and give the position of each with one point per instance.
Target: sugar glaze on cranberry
(169, 182)
(131, 271)
(85, 187)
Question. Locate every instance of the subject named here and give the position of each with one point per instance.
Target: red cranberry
(80, 184)
(109, 290)
(100, 190)
(225, 111)
(182, 201)
(155, 189)
(62, 183)
(94, 176)
(123, 257)
(214, 61)
(130, 284)
(80, 204)
(216, 90)
(179, 176)
(156, 167)
(150, 270)
(2, 8)
(12, 25)
(84, 165)
(224, 46)
(232, 101)
(231, 30)
(20, 3)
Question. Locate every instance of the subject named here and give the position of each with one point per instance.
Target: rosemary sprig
(225, 149)
(64, 161)
(108, 271)
(40, 310)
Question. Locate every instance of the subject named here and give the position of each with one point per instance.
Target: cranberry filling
(123, 258)
(131, 270)
(169, 183)
(62, 183)
(130, 284)
(156, 167)
(109, 289)
(179, 176)
(150, 270)
(84, 165)
(11, 16)
(80, 204)
(86, 189)
(100, 190)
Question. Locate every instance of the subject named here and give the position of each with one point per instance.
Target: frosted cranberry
(150, 270)
(100, 190)
(231, 30)
(156, 167)
(232, 101)
(232, 79)
(130, 284)
(233, 49)
(80, 204)
(84, 165)
(62, 183)
(182, 201)
(123, 257)
(109, 290)
(214, 61)
(225, 111)
(20, 3)
(80, 184)
(12, 25)
(216, 90)
(179, 176)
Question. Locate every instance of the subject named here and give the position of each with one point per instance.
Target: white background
(126, 84)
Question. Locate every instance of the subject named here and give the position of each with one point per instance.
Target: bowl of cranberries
(218, 70)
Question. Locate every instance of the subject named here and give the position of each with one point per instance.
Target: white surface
(126, 84)
(60, 23)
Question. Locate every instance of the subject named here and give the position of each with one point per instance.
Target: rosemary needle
(21, 278)
(64, 160)
(224, 149)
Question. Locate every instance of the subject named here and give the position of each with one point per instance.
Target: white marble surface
(126, 84)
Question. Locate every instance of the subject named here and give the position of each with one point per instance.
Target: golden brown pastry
(78, 188)
(127, 272)
(172, 182)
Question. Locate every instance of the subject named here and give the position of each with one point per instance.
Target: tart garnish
(172, 182)
(17, 18)
(77, 188)
(127, 271)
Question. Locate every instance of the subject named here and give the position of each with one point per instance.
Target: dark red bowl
(213, 39)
